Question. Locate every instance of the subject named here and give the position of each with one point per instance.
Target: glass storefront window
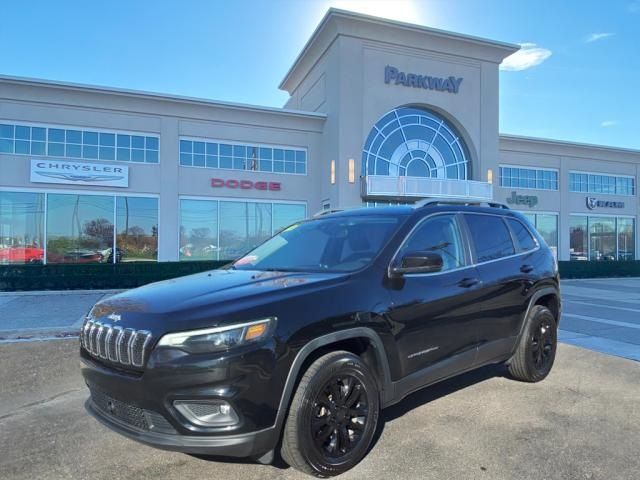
(225, 230)
(79, 228)
(286, 214)
(198, 230)
(578, 238)
(243, 226)
(136, 230)
(21, 227)
(626, 239)
(602, 238)
(547, 226)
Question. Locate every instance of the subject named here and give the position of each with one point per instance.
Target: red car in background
(22, 254)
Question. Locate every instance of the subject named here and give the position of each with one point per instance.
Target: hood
(206, 296)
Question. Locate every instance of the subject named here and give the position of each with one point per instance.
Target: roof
(155, 96)
(326, 31)
(566, 143)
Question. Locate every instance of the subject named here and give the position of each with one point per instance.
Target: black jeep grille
(125, 346)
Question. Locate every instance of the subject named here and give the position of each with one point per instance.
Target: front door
(434, 314)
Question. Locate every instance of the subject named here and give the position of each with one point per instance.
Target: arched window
(414, 142)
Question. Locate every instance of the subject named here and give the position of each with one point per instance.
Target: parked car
(304, 340)
(21, 254)
(78, 255)
(107, 255)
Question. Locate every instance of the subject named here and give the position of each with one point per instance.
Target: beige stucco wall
(53, 105)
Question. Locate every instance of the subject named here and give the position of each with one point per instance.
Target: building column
(169, 221)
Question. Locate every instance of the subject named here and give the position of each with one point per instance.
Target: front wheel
(536, 351)
(333, 416)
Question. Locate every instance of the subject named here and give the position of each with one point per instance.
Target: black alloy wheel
(333, 416)
(542, 344)
(536, 351)
(339, 416)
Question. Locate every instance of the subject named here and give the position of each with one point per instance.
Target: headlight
(219, 339)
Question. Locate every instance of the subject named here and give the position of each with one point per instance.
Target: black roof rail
(327, 212)
(459, 201)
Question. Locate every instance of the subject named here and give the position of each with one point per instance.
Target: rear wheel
(333, 416)
(536, 350)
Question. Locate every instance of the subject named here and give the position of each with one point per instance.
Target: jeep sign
(528, 200)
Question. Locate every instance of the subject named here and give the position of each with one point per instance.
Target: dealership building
(380, 112)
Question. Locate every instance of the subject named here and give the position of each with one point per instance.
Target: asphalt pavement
(582, 422)
(602, 315)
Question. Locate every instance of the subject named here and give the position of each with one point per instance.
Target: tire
(322, 435)
(536, 350)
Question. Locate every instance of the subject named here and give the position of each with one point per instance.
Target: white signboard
(74, 173)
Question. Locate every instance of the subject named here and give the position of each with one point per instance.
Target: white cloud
(608, 123)
(528, 56)
(594, 37)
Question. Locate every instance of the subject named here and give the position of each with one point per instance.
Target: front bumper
(140, 405)
(240, 445)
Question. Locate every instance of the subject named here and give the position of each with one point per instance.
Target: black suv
(298, 345)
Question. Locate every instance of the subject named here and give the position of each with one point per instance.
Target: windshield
(330, 244)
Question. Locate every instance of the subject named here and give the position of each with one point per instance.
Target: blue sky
(578, 79)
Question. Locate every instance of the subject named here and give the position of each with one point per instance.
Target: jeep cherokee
(298, 345)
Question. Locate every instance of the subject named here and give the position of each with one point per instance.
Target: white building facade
(380, 112)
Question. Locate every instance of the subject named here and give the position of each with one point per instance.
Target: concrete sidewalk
(26, 315)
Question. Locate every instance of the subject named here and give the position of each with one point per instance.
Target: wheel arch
(363, 341)
(546, 296)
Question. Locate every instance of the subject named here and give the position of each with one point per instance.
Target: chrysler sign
(74, 173)
(449, 84)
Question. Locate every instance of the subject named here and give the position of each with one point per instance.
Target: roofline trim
(567, 143)
(332, 11)
(158, 96)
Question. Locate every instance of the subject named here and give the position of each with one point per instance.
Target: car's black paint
(473, 315)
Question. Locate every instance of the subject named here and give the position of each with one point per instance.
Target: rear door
(433, 314)
(503, 293)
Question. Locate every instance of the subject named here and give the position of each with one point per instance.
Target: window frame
(462, 231)
(535, 179)
(600, 178)
(82, 129)
(247, 144)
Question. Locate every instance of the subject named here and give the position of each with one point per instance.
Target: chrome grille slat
(116, 344)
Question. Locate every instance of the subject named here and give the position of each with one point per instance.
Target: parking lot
(582, 422)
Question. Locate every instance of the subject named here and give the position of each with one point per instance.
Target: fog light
(209, 413)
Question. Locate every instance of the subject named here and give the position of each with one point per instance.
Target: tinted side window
(490, 236)
(522, 234)
(438, 234)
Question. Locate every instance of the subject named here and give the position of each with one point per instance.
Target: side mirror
(418, 262)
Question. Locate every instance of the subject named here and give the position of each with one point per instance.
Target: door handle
(468, 282)
(526, 269)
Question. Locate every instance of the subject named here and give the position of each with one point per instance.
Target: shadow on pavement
(414, 400)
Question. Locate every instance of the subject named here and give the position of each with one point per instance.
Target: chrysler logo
(114, 317)
(80, 178)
